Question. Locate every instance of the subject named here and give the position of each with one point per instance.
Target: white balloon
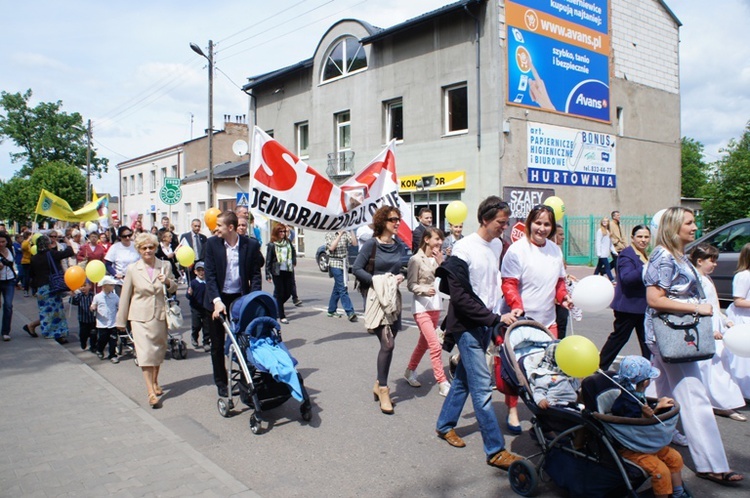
(654, 225)
(737, 340)
(593, 293)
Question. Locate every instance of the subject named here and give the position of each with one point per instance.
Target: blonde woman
(604, 248)
(142, 303)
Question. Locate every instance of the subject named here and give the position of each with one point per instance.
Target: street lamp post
(210, 59)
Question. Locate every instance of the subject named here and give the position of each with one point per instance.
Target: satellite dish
(239, 147)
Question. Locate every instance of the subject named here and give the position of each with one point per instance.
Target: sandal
(158, 390)
(153, 401)
(723, 478)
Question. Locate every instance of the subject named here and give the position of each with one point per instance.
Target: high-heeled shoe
(383, 395)
(513, 429)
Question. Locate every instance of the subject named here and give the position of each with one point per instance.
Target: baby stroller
(573, 443)
(259, 366)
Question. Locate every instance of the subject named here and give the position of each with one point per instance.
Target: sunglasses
(53, 236)
(543, 206)
(148, 248)
(126, 236)
(394, 219)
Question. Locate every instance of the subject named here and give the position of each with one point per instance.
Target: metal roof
(236, 169)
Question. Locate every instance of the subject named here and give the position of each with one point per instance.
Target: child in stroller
(664, 466)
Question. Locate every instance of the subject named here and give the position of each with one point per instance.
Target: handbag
(369, 268)
(174, 312)
(57, 283)
(685, 337)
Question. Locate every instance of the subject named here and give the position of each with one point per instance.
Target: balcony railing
(340, 165)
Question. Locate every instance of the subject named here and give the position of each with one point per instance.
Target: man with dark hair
(425, 221)
(233, 269)
(615, 234)
(197, 242)
(470, 277)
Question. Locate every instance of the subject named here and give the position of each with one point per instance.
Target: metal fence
(580, 236)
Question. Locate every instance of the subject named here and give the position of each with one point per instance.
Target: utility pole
(88, 162)
(210, 58)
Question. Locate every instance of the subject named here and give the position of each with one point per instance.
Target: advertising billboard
(558, 56)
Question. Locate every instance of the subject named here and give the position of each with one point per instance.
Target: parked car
(321, 256)
(729, 239)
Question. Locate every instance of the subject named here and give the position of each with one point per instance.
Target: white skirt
(739, 367)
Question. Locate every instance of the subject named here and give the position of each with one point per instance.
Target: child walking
(83, 298)
(106, 304)
(664, 466)
(199, 315)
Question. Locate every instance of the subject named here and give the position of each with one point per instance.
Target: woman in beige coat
(142, 304)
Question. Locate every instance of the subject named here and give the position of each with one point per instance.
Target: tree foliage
(694, 170)
(728, 190)
(44, 133)
(18, 196)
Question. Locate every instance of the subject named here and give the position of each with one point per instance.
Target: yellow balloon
(185, 256)
(33, 250)
(456, 212)
(34, 237)
(577, 356)
(557, 206)
(95, 270)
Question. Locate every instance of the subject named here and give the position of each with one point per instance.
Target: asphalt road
(349, 448)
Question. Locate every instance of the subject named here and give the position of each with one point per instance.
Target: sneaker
(115, 360)
(100, 355)
(194, 342)
(297, 302)
(284, 321)
(334, 314)
(6, 337)
(411, 378)
(353, 317)
(679, 439)
(206, 348)
(444, 388)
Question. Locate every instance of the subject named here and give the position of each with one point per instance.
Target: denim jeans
(7, 289)
(472, 378)
(339, 292)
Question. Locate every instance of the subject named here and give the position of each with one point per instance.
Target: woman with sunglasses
(385, 254)
(143, 305)
(533, 279)
(121, 255)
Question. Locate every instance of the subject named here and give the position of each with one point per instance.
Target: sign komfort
(567, 156)
(451, 180)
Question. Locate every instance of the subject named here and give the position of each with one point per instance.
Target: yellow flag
(58, 208)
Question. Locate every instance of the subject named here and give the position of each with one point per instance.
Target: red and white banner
(285, 189)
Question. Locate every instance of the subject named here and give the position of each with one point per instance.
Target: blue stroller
(260, 369)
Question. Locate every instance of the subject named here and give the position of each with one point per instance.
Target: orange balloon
(75, 277)
(210, 217)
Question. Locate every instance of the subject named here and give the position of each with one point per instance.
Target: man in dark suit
(112, 232)
(233, 269)
(197, 242)
(165, 227)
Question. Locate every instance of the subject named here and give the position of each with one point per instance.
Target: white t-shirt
(483, 259)
(740, 288)
(537, 270)
(121, 257)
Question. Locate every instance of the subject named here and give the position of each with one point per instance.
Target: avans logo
(581, 99)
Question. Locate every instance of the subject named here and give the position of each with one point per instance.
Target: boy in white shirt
(105, 305)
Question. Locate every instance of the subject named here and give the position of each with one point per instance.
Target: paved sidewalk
(66, 431)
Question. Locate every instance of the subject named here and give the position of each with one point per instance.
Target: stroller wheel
(523, 478)
(254, 424)
(182, 348)
(306, 411)
(224, 407)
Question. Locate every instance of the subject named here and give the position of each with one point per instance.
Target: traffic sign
(242, 199)
(170, 192)
(518, 231)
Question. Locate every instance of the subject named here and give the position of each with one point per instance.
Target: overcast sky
(128, 67)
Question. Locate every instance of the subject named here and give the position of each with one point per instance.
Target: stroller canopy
(247, 308)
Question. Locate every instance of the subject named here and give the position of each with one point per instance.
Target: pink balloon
(133, 215)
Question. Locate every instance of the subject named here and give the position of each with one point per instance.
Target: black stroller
(573, 442)
(260, 368)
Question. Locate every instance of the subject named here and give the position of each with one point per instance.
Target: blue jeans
(7, 289)
(339, 292)
(473, 378)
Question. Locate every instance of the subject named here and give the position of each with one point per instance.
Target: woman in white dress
(739, 312)
(723, 391)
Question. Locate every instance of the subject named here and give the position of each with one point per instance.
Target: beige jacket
(383, 306)
(615, 233)
(142, 298)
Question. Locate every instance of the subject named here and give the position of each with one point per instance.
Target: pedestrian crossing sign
(242, 199)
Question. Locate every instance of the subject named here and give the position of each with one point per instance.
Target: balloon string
(629, 394)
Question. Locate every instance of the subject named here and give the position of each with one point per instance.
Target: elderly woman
(51, 312)
(385, 254)
(142, 303)
(281, 258)
(91, 249)
(74, 241)
(673, 286)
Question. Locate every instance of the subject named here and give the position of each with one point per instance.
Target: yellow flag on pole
(58, 208)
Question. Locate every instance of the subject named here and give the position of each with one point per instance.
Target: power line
(260, 22)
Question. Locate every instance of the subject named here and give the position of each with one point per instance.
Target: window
(456, 108)
(303, 140)
(163, 175)
(132, 185)
(125, 186)
(152, 180)
(343, 131)
(139, 185)
(394, 120)
(346, 57)
(173, 171)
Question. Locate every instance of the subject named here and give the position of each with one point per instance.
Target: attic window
(346, 56)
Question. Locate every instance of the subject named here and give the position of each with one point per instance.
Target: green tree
(44, 133)
(18, 196)
(728, 190)
(694, 170)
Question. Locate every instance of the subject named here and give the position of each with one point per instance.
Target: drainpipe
(479, 85)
